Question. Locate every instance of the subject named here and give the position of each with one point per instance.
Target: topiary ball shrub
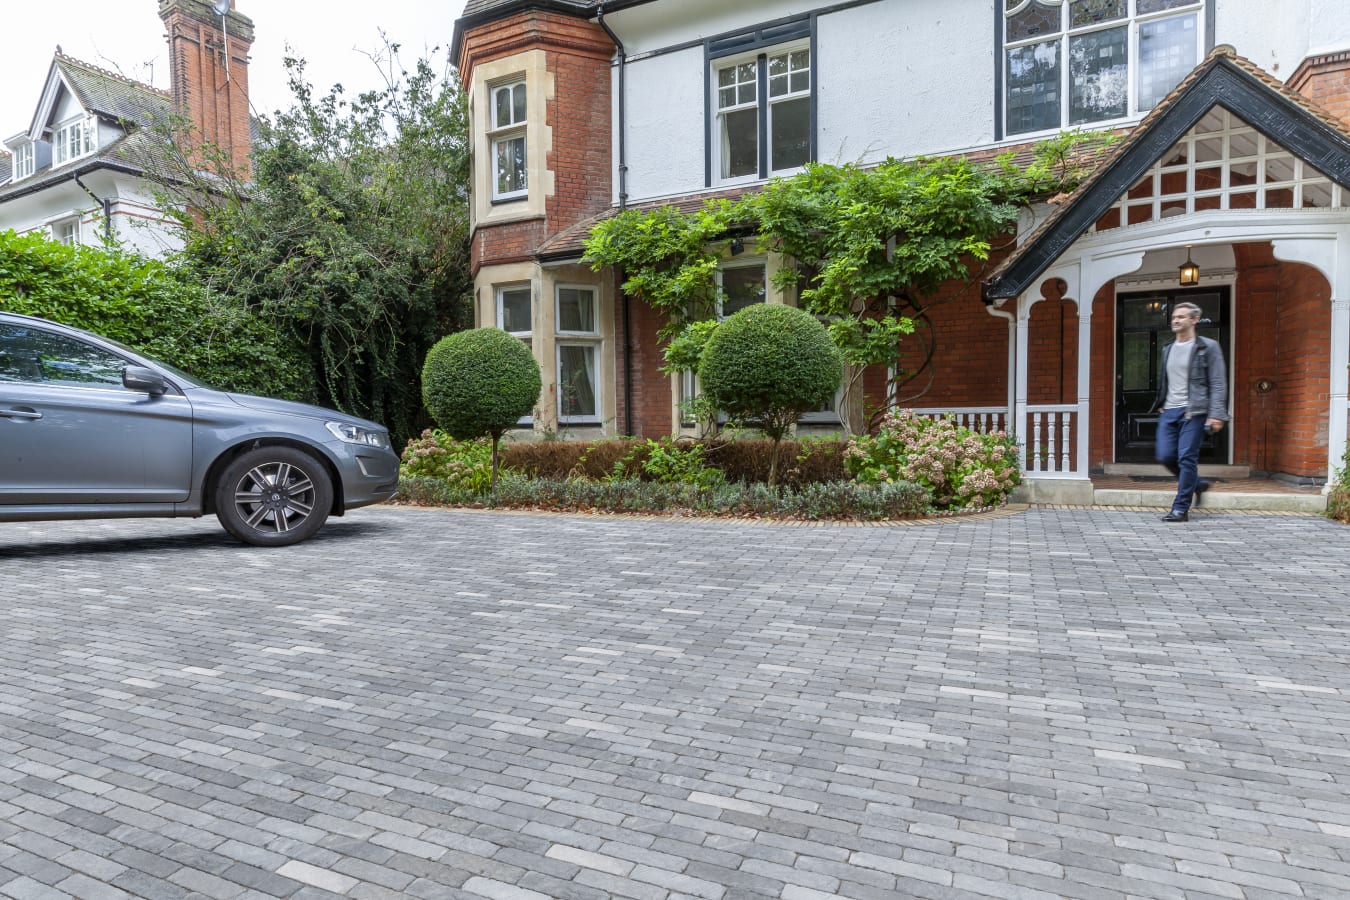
(768, 364)
(480, 382)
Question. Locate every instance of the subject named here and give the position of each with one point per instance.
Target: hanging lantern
(1190, 272)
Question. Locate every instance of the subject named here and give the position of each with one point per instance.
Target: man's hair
(1190, 307)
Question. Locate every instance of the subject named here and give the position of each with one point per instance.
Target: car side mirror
(139, 378)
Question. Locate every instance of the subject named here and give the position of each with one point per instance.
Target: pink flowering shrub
(461, 464)
(961, 468)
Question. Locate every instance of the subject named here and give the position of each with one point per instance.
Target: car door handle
(20, 414)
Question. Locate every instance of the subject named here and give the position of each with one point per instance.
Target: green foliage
(961, 468)
(770, 363)
(465, 465)
(870, 247)
(480, 382)
(152, 308)
(1338, 500)
(351, 238)
(837, 500)
(668, 257)
(685, 350)
(679, 462)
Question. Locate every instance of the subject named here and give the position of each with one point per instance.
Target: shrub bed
(800, 462)
(820, 501)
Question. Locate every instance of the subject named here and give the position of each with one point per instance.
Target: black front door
(1143, 326)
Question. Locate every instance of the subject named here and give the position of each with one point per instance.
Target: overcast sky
(127, 36)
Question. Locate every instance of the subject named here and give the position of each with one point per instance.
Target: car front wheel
(274, 496)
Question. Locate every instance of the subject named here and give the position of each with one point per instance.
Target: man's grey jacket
(1208, 394)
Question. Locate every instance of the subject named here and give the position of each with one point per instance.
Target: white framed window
(1069, 63)
(774, 85)
(578, 354)
(507, 134)
(24, 161)
(67, 231)
(75, 139)
(515, 310)
(515, 315)
(739, 285)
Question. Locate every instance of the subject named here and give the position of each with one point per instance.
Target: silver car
(90, 429)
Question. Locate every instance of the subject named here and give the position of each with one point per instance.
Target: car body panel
(70, 451)
(94, 445)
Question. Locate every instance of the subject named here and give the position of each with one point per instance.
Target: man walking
(1193, 397)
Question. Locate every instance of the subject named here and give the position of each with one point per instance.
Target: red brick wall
(1303, 367)
(1283, 325)
(580, 118)
(651, 401)
(1102, 379)
(1326, 81)
(970, 360)
(577, 55)
(1052, 352)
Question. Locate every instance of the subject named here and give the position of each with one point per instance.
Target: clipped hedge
(155, 309)
(800, 462)
(840, 500)
(480, 382)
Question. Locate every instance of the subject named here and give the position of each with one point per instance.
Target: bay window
(578, 354)
(507, 134)
(1071, 63)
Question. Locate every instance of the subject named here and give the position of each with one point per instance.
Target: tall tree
(352, 235)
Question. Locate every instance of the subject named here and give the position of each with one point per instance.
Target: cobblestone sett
(1080, 703)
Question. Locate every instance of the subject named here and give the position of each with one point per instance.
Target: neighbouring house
(1237, 159)
(77, 171)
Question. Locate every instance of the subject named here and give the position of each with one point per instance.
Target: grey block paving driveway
(430, 703)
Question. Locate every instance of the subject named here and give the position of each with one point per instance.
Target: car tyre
(274, 496)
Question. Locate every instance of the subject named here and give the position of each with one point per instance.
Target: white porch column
(1081, 467)
(1019, 422)
(1340, 361)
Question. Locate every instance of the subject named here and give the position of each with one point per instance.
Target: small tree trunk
(773, 465)
(492, 485)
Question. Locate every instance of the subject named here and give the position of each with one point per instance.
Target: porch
(1052, 473)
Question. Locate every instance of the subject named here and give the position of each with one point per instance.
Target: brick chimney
(1325, 79)
(208, 74)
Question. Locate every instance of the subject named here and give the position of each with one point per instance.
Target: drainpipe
(623, 204)
(106, 204)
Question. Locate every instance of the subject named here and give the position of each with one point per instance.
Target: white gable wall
(893, 77)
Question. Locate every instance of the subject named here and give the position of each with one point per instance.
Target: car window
(42, 357)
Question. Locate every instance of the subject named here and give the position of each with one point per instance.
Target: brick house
(1237, 159)
(76, 172)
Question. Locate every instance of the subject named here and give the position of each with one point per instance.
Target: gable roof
(1223, 79)
(109, 95)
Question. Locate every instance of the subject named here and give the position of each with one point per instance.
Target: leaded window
(1083, 62)
(508, 133)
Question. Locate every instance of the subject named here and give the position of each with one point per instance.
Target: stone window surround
(544, 283)
(539, 84)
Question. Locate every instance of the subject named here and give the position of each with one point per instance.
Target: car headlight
(355, 434)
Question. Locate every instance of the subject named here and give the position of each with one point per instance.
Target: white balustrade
(983, 419)
(1049, 446)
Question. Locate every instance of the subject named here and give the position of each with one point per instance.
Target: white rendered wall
(1278, 38)
(136, 222)
(880, 89)
(664, 126)
(894, 77)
